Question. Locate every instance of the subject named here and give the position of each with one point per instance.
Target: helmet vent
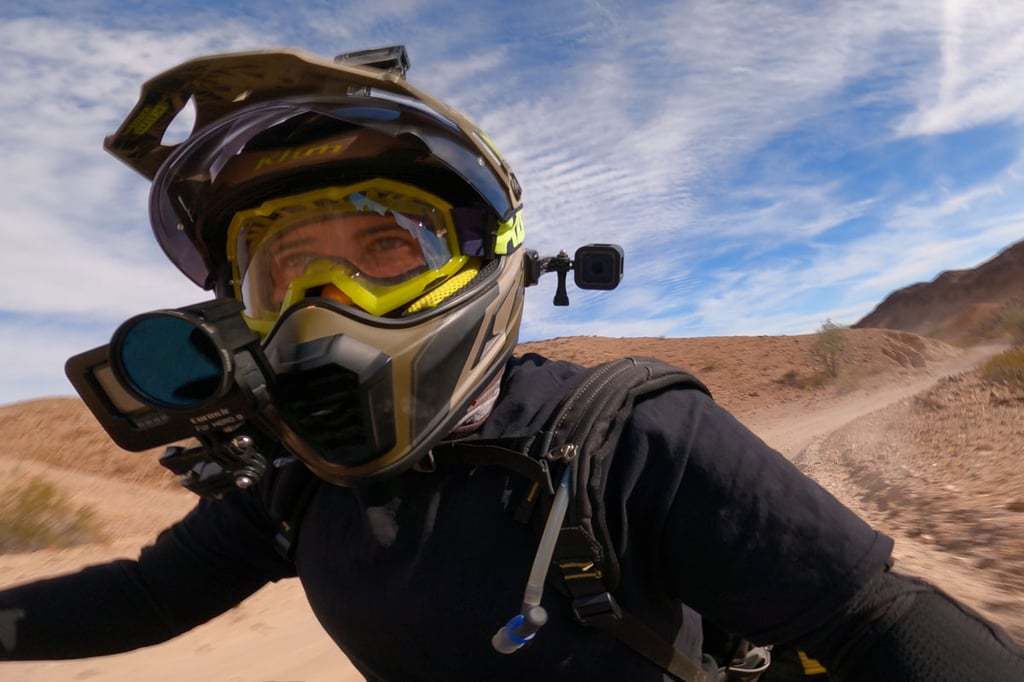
(323, 406)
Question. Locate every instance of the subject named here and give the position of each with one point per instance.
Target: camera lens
(597, 268)
(169, 360)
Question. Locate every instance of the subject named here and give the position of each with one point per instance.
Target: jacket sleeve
(200, 567)
(762, 551)
(904, 628)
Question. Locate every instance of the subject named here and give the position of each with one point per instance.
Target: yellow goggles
(381, 243)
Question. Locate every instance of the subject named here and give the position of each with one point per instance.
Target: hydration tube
(521, 628)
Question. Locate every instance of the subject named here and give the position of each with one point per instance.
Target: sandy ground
(857, 436)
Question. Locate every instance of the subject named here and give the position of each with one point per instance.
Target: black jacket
(412, 576)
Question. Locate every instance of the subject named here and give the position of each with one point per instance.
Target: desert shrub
(827, 349)
(793, 379)
(1006, 368)
(36, 515)
(1013, 320)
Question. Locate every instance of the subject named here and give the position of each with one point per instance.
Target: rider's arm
(904, 628)
(200, 567)
(763, 551)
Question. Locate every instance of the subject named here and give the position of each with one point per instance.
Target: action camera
(594, 266)
(598, 266)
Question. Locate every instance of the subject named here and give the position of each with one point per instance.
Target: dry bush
(1007, 368)
(794, 379)
(36, 515)
(828, 347)
(1013, 320)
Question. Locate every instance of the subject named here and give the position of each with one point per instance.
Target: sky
(766, 166)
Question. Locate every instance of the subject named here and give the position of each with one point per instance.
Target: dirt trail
(853, 450)
(792, 430)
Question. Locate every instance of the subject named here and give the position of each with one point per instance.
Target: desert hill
(958, 306)
(746, 374)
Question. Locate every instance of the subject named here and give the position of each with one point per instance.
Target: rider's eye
(389, 243)
(294, 260)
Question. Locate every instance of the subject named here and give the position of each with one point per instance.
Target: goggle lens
(381, 242)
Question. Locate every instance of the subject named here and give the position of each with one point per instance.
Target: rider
(365, 225)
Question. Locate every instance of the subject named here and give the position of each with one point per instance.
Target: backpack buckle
(564, 453)
(595, 608)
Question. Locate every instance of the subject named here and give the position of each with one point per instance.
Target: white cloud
(977, 80)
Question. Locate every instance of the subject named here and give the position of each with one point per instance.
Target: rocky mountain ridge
(962, 307)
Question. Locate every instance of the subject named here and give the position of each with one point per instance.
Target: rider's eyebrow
(289, 245)
(292, 240)
(370, 230)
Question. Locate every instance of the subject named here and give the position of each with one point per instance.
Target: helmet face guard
(372, 399)
(372, 233)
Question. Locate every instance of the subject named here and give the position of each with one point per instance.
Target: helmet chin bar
(335, 394)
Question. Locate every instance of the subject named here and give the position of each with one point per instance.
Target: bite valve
(519, 630)
(532, 615)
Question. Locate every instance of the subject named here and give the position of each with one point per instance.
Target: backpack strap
(576, 447)
(591, 420)
(507, 453)
(287, 493)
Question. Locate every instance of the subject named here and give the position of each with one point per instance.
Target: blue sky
(765, 165)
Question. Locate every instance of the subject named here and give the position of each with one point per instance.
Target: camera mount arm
(560, 264)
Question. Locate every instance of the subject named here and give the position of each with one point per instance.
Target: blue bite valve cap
(519, 630)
